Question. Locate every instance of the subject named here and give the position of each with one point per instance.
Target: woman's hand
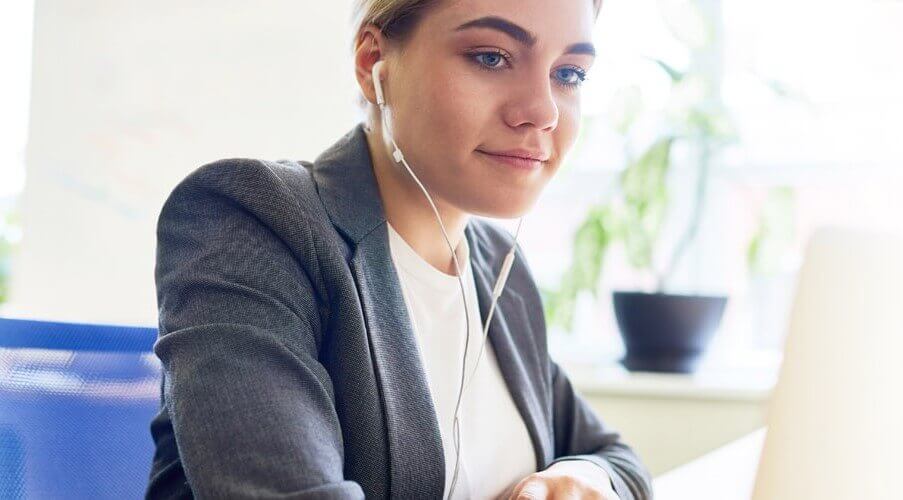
(566, 480)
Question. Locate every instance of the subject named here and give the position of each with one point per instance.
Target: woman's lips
(520, 162)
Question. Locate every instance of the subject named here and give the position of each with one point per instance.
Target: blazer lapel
(348, 189)
(510, 328)
(417, 464)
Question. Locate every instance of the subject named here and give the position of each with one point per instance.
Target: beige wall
(127, 98)
(667, 432)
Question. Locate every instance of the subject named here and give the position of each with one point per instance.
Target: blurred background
(717, 135)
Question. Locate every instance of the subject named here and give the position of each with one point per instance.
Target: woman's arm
(581, 435)
(252, 409)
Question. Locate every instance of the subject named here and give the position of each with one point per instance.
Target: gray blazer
(290, 367)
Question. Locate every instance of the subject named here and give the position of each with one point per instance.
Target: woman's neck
(409, 212)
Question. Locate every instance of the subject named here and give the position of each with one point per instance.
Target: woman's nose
(532, 103)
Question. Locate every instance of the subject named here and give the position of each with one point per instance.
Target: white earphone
(496, 291)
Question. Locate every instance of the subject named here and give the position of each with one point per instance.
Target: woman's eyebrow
(505, 26)
(581, 48)
(520, 34)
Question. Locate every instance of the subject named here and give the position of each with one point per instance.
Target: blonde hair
(397, 18)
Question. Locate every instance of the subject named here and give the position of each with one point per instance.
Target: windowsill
(739, 376)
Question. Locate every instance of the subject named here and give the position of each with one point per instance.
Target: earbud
(376, 72)
(377, 82)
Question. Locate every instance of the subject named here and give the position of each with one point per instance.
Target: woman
(312, 328)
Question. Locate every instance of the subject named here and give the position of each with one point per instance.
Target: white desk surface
(727, 473)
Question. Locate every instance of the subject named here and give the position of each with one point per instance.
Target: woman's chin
(502, 208)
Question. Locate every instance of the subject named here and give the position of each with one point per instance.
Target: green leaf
(644, 187)
(591, 241)
(675, 75)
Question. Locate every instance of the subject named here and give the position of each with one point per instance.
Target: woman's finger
(534, 489)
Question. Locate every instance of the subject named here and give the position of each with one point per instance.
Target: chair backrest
(76, 401)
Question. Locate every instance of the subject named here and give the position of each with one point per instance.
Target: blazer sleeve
(581, 435)
(251, 407)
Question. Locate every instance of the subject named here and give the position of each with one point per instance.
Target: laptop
(835, 421)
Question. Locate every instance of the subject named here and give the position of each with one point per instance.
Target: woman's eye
(570, 76)
(491, 60)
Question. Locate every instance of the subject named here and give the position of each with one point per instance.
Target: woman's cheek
(467, 93)
(568, 125)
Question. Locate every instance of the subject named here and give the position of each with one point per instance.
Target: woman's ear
(370, 49)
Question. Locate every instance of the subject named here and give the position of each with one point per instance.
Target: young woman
(315, 316)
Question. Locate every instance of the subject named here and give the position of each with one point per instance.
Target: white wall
(127, 98)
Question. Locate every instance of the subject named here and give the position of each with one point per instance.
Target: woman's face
(481, 79)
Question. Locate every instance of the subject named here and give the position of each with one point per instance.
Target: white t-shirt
(496, 451)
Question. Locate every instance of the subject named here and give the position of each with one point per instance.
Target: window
(813, 89)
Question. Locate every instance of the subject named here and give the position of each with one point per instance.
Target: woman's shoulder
(266, 188)
(274, 199)
(249, 176)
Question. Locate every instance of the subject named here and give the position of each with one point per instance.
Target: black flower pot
(664, 332)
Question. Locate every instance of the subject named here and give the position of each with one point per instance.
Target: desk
(728, 473)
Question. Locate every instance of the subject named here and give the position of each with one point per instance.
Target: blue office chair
(76, 402)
